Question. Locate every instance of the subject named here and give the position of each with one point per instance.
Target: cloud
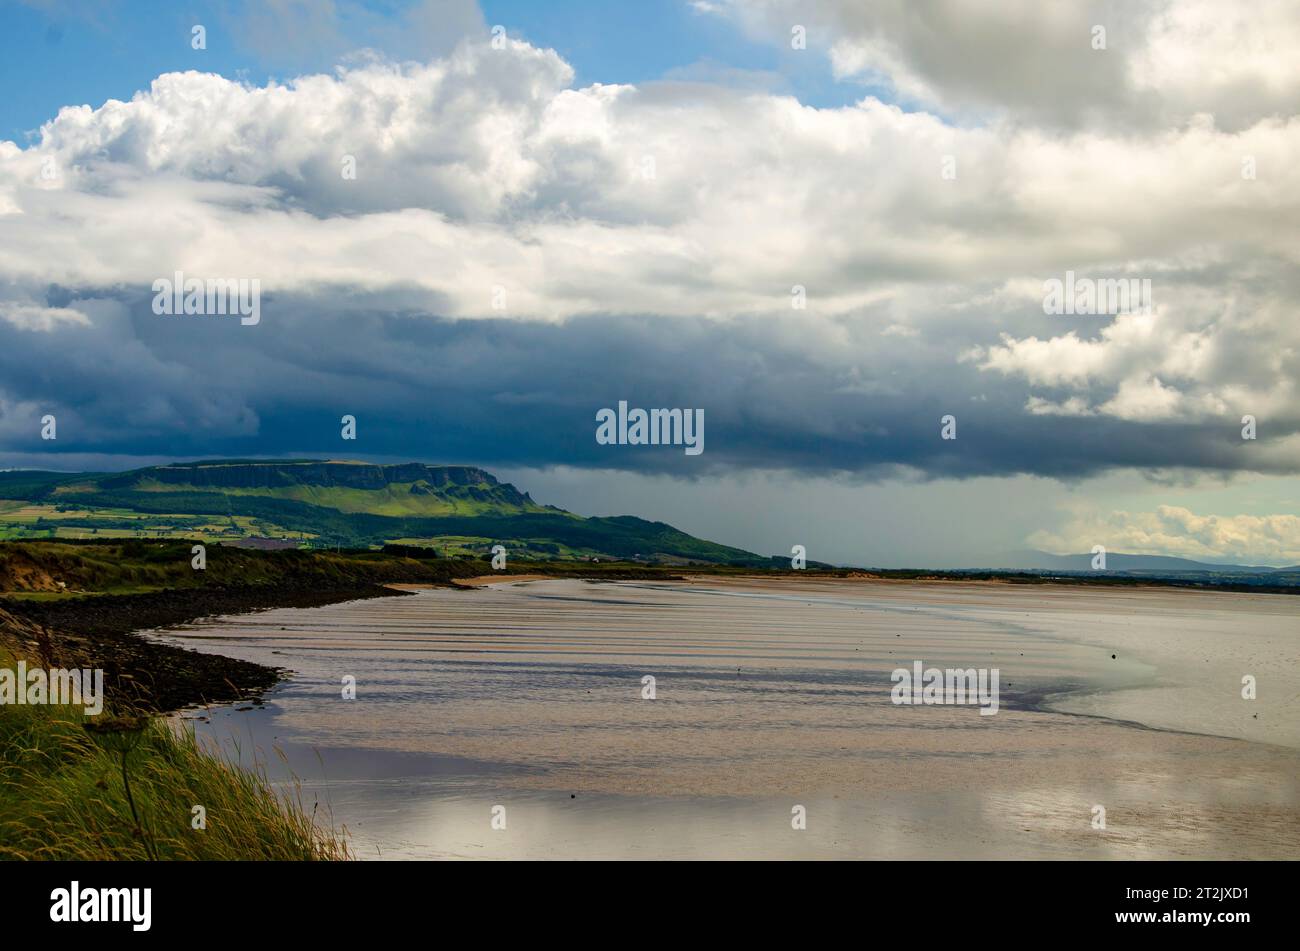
(1203, 355)
(1162, 62)
(1177, 531)
(36, 318)
(514, 253)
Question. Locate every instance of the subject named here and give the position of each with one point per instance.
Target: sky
(831, 226)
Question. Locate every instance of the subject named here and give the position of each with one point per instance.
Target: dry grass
(127, 788)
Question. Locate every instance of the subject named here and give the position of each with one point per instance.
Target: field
(28, 520)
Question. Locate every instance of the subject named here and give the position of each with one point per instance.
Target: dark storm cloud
(526, 393)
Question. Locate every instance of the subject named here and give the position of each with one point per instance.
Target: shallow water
(771, 696)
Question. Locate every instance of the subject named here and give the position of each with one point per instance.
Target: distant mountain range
(1139, 568)
(1115, 561)
(452, 509)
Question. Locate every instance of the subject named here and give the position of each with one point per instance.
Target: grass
(65, 595)
(109, 566)
(534, 549)
(128, 791)
(394, 499)
(41, 520)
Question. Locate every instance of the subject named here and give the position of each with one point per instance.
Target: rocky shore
(140, 672)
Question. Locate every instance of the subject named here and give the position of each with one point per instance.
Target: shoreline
(113, 631)
(142, 672)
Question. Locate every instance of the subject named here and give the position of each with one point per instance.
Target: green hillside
(455, 510)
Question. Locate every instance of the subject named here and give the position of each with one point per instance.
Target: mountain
(1115, 561)
(455, 510)
(406, 489)
(1140, 568)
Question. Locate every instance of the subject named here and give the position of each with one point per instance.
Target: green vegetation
(124, 787)
(104, 567)
(462, 509)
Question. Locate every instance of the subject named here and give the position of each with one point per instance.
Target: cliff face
(457, 481)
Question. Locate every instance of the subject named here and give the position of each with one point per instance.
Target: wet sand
(774, 694)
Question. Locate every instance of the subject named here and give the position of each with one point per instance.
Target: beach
(775, 694)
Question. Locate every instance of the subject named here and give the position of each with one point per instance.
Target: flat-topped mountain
(452, 509)
(403, 489)
(251, 474)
